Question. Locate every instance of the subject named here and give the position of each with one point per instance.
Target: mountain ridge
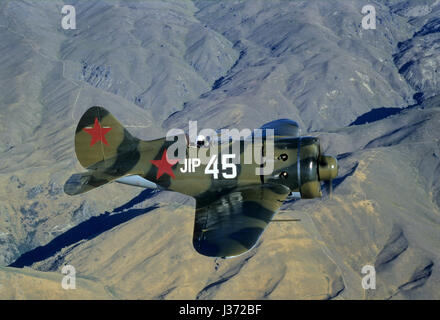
(158, 64)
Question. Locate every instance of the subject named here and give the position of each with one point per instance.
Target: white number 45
(212, 167)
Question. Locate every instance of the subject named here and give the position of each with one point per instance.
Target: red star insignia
(98, 133)
(164, 165)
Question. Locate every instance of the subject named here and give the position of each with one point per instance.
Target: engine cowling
(327, 168)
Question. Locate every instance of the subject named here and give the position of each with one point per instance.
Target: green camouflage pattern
(231, 214)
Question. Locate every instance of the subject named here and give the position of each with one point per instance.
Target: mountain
(372, 96)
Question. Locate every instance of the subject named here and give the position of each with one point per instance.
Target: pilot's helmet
(201, 141)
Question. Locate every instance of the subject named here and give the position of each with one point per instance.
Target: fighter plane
(232, 209)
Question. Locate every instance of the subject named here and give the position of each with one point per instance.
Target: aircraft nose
(327, 168)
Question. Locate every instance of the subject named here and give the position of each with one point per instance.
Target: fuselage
(294, 164)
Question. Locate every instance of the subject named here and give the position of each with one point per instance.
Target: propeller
(329, 188)
(327, 169)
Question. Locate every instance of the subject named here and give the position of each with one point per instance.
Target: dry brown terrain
(157, 64)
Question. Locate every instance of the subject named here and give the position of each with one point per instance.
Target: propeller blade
(330, 188)
(320, 151)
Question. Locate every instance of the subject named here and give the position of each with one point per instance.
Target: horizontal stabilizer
(83, 182)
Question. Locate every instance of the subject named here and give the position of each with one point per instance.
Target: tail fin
(99, 137)
(101, 146)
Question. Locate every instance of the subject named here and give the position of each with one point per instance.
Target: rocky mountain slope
(371, 95)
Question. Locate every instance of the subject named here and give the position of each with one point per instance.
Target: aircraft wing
(231, 224)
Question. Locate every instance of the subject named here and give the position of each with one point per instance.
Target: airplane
(232, 211)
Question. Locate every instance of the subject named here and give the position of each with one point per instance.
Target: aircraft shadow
(87, 230)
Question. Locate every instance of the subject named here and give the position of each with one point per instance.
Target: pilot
(201, 141)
